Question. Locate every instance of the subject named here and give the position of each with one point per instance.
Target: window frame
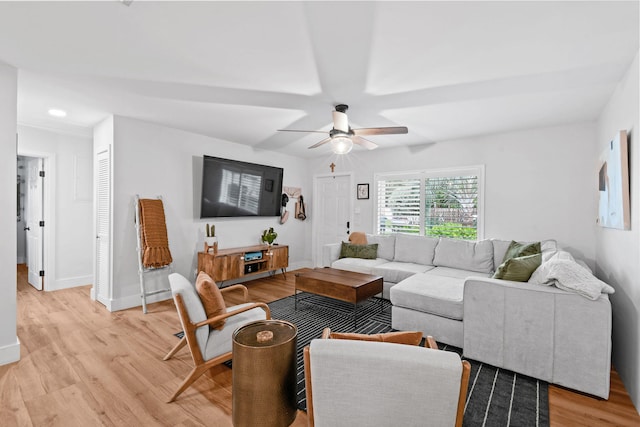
(475, 170)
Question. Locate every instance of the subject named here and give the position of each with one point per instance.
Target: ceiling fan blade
(340, 121)
(364, 142)
(381, 131)
(318, 144)
(296, 130)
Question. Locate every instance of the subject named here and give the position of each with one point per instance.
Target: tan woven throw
(153, 234)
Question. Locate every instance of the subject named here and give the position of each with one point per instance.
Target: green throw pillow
(518, 269)
(349, 250)
(516, 249)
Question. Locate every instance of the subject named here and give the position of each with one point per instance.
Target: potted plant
(268, 236)
(210, 240)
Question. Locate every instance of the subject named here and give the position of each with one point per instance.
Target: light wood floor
(83, 366)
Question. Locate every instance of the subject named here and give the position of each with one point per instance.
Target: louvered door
(102, 285)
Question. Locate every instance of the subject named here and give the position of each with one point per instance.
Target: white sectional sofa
(443, 287)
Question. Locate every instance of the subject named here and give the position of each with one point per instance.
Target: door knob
(26, 228)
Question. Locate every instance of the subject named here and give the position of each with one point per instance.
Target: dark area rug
(496, 397)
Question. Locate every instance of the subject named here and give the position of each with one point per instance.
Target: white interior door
(101, 286)
(333, 204)
(34, 215)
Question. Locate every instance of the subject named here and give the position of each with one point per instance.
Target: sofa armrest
(540, 331)
(330, 253)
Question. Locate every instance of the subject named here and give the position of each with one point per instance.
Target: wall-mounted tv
(233, 188)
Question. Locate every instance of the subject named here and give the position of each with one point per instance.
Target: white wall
(618, 251)
(152, 160)
(538, 183)
(71, 161)
(9, 343)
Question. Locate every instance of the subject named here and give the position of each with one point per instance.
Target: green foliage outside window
(452, 230)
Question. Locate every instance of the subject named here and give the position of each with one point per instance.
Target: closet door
(102, 285)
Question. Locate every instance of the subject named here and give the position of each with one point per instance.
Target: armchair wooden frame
(201, 366)
(429, 342)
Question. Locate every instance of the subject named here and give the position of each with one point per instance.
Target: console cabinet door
(279, 257)
(235, 265)
(214, 266)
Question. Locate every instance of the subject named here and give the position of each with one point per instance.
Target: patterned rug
(496, 397)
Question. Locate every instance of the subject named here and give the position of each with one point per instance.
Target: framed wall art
(613, 184)
(363, 191)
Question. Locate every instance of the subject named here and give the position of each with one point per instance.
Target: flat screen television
(231, 188)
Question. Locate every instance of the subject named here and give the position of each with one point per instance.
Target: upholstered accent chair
(208, 346)
(364, 383)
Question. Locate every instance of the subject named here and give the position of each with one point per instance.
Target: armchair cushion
(220, 341)
(211, 298)
(193, 304)
(410, 383)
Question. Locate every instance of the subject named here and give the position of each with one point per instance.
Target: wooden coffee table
(342, 285)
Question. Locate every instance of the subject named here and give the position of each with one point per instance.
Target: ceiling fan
(342, 137)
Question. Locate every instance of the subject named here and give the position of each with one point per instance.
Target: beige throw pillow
(211, 298)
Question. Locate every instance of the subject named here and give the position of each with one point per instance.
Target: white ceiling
(240, 70)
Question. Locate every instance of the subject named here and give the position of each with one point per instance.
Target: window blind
(430, 203)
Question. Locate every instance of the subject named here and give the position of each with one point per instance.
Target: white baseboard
(10, 353)
(70, 282)
(300, 264)
(131, 301)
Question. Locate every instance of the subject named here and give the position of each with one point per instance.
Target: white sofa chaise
(443, 287)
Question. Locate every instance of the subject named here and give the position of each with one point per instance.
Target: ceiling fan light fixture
(341, 144)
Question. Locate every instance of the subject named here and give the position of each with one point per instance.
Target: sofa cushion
(518, 269)
(358, 265)
(349, 250)
(396, 272)
(465, 255)
(429, 293)
(417, 249)
(456, 273)
(386, 245)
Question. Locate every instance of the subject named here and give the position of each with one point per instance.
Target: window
(445, 203)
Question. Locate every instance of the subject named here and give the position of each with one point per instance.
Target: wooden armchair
(208, 346)
(363, 383)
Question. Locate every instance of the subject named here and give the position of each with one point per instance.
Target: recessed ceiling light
(55, 112)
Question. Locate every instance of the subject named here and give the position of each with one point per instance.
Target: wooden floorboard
(83, 366)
